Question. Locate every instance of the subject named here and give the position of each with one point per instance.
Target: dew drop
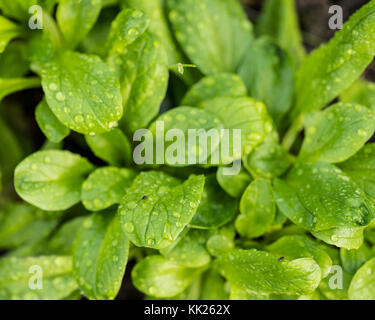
(53, 86)
(60, 96)
(129, 227)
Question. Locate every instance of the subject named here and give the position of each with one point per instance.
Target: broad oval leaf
(100, 254)
(362, 286)
(218, 85)
(333, 67)
(197, 24)
(157, 207)
(260, 273)
(216, 207)
(105, 187)
(113, 147)
(51, 180)
(257, 209)
(82, 92)
(337, 133)
(143, 73)
(162, 278)
(320, 198)
(16, 280)
(300, 246)
(76, 18)
(52, 128)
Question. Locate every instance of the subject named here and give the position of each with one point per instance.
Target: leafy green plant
(77, 210)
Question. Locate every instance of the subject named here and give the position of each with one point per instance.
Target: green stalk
(293, 132)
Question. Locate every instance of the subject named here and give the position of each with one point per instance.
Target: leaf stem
(292, 134)
(51, 28)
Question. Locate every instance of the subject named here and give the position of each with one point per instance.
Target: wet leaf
(51, 180)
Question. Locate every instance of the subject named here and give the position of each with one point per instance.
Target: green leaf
(189, 249)
(216, 207)
(76, 18)
(333, 67)
(82, 92)
(337, 133)
(180, 150)
(322, 199)
(22, 224)
(349, 238)
(162, 278)
(52, 128)
(12, 85)
(61, 242)
(361, 92)
(218, 85)
(300, 246)
(105, 186)
(260, 273)
(126, 28)
(157, 207)
(362, 286)
(13, 63)
(159, 25)
(268, 73)
(257, 209)
(8, 31)
(113, 147)
(361, 168)
(279, 20)
(269, 160)
(197, 24)
(352, 260)
(234, 185)
(100, 255)
(51, 180)
(16, 275)
(143, 73)
(244, 114)
(18, 9)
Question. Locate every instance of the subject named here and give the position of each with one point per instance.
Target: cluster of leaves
(299, 205)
